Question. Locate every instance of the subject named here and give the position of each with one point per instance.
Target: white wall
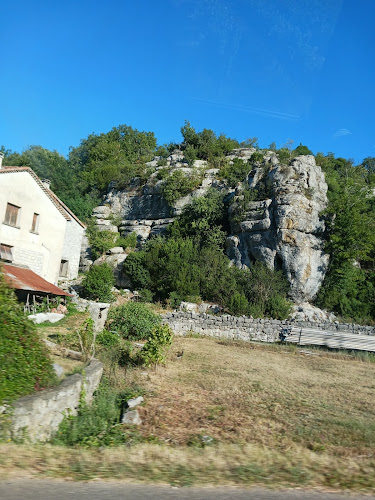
(41, 252)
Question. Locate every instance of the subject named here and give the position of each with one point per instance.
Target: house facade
(36, 229)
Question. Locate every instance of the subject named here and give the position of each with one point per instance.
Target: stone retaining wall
(38, 416)
(243, 328)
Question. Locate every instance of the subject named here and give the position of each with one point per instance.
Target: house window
(35, 223)
(64, 266)
(6, 252)
(11, 215)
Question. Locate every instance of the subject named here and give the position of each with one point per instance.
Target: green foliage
(251, 142)
(133, 320)
(174, 300)
(108, 338)
(350, 219)
(86, 338)
(205, 145)
(100, 241)
(284, 155)
(24, 362)
(117, 156)
(301, 150)
(98, 424)
(202, 219)
(238, 304)
(134, 268)
(235, 173)
(190, 154)
(98, 282)
(145, 295)
(162, 151)
(158, 343)
(163, 173)
(265, 290)
(179, 184)
(129, 241)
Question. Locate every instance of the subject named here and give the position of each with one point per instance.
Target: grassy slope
(278, 417)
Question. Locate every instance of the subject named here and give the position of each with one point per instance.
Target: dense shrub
(108, 338)
(206, 145)
(179, 184)
(235, 172)
(133, 320)
(145, 295)
(129, 241)
(98, 282)
(98, 424)
(158, 343)
(100, 241)
(24, 361)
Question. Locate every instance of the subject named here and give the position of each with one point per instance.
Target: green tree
(98, 282)
(25, 365)
(301, 150)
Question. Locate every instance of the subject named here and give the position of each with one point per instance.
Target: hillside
(278, 212)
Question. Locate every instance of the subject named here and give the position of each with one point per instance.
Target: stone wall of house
(33, 260)
(243, 328)
(72, 247)
(38, 416)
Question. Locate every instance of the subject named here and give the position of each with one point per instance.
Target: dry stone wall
(243, 328)
(38, 416)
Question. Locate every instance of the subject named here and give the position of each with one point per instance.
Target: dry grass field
(236, 413)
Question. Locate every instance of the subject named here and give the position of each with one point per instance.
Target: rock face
(274, 216)
(284, 229)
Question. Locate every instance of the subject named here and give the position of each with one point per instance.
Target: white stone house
(37, 229)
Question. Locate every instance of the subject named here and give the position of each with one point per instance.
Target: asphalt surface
(35, 489)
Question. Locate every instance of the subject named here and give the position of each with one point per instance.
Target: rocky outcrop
(274, 216)
(284, 229)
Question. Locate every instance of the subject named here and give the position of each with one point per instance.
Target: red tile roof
(61, 207)
(24, 279)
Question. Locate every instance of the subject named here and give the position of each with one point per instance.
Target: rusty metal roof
(24, 279)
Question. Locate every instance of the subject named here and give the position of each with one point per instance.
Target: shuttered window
(11, 215)
(6, 252)
(64, 267)
(35, 223)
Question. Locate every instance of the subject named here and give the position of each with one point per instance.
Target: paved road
(35, 489)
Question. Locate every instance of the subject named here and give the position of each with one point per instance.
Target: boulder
(132, 403)
(131, 417)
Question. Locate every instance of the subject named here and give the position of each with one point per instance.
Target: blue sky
(275, 69)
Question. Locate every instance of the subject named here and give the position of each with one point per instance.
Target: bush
(24, 362)
(98, 424)
(235, 173)
(108, 339)
(174, 300)
(159, 341)
(179, 184)
(145, 295)
(100, 241)
(238, 304)
(98, 282)
(133, 320)
(134, 268)
(129, 241)
(279, 307)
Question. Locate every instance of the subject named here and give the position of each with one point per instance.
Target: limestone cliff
(284, 227)
(274, 213)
